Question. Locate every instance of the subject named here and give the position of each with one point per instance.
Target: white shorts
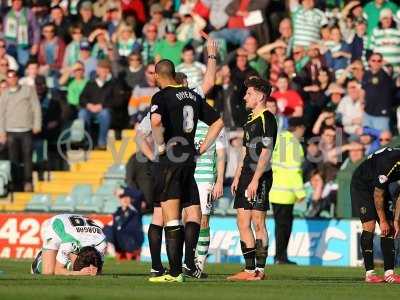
(205, 188)
(51, 241)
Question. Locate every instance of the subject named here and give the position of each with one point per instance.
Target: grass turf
(128, 280)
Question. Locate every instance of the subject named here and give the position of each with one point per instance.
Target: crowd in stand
(334, 63)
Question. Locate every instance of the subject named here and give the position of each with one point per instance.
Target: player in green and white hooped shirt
(72, 245)
(209, 175)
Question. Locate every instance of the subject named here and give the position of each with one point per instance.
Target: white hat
(385, 13)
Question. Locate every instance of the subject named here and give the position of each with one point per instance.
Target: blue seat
(39, 202)
(5, 177)
(64, 203)
(110, 205)
(89, 204)
(116, 171)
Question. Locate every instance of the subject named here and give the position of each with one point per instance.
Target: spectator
(255, 61)
(51, 53)
(157, 19)
(135, 8)
(379, 90)
(189, 31)
(194, 70)
(113, 18)
(31, 72)
(87, 59)
(71, 54)
(87, 20)
(100, 99)
(134, 74)
(51, 128)
(101, 42)
(235, 32)
(335, 93)
(74, 79)
(289, 101)
(338, 56)
(20, 118)
(307, 22)
(385, 39)
(126, 233)
(358, 41)
(169, 48)
(148, 42)
(350, 108)
(373, 10)
(21, 32)
(325, 119)
(239, 73)
(61, 23)
(12, 63)
(142, 93)
(125, 41)
(218, 17)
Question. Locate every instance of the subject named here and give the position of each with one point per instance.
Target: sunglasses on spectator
(385, 140)
(78, 69)
(376, 60)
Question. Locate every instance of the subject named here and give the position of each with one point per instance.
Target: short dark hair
(88, 256)
(180, 77)
(165, 68)
(258, 84)
(270, 99)
(188, 47)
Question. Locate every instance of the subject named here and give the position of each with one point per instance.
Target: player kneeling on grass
(72, 245)
(253, 180)
(370, 197)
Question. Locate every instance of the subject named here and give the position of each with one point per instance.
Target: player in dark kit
(253, 180)
(371, 200)
(175, 111)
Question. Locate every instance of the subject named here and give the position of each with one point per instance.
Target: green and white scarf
(16, 27)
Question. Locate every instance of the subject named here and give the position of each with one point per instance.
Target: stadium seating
(39, 202)
(64, 204)
(5, 177)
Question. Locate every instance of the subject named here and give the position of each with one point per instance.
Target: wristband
(212, 56)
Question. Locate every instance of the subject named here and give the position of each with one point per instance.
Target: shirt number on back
(188, 115)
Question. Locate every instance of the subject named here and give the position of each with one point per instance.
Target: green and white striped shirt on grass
(387, 42)
(206, 165)
(307, 25)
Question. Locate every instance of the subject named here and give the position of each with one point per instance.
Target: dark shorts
(175, 182)
(262, 199)
(362, 201)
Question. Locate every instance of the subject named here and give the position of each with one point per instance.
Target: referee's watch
(212, 56)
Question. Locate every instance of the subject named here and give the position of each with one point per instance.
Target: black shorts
(262, 199)
(362, 201)
(176, 182)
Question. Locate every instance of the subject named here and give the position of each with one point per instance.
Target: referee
(175, 111)
(253, 180)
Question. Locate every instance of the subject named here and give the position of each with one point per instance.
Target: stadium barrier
(313, 242)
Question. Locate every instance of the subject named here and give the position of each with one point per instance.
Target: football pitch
(128, 280)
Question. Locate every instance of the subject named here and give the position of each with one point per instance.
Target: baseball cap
(85, 45)
(130, 192)
(258, 84)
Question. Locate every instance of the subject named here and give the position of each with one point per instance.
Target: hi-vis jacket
(287, 158)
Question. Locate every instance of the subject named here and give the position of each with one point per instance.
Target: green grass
(128, 281)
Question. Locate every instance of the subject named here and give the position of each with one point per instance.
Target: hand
(52, 124)
(396, 228)
(357, 121)
(242, 13)
(280, 43)
(252, 189)
(86, 271)
(34, 49)
(385, 228)
(212, 47)
(36, 130)
(3, 138)
(218, 190)
(234, 186)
